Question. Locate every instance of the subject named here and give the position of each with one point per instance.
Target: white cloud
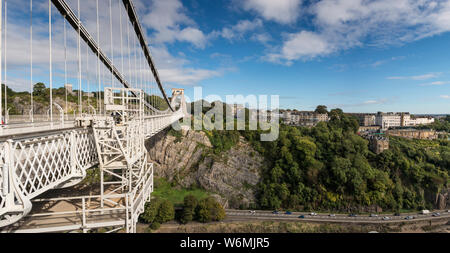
(419, 77)
(303, 45)
(238, 31)
(445, 96)
(380, 101)
(345, 24)
(171, 24)
(281, 11)
(176, 70)
(436, 83)
(375, 102)
(187, 76)
(382, 62)
(262, 38)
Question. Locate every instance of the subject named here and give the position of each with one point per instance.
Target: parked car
(397, 214)
(275, 212)
(252, 212)
(301, 216)
(313, 214)
(386, 218)
(373, 215)
(352, 215)
(409, 217)
(332, 215)
(287, 212)
(436, 214)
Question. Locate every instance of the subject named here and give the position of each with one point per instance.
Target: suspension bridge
(54, 141)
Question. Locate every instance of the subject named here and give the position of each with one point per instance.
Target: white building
(404, 119)
(69, 88)
(424, 121)
(387, 120)
(407, 120)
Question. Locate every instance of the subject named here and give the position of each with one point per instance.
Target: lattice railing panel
(86, 153)
(39, 163)
(43, 163)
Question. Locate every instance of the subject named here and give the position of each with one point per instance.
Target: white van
(425, 212)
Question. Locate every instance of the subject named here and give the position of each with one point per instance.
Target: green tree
(322, 109)
(151, 211)
(39, 89)
(166, 212)
(202, 213)
(208, 210)
(189, 205)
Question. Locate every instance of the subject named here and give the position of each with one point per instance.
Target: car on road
(252, 212)
(436, 214)
(397, 214)
(386, 218)
(448, 211)
(352, 215)
(288, 212)
(313, 214)
(301, 216)
(275, 212)
(409, 217)
(332, 215)
(373, 215)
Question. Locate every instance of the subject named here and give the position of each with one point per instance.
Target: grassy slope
(163, 189)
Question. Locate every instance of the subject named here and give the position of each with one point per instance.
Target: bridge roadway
(245, 215)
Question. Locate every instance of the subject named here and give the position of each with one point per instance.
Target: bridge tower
(122, 155)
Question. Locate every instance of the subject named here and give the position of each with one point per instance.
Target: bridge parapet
(33, 165)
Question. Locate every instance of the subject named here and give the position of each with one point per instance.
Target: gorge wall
(189, 161)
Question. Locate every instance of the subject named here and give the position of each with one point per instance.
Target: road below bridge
(247, 215)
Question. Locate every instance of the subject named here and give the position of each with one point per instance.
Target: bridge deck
(14, 131)
(71, 214)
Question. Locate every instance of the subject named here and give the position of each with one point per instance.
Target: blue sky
(358, 55)
(362, 56)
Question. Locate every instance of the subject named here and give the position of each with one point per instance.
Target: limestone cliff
(188, 160)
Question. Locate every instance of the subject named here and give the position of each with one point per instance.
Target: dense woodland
(329, 167)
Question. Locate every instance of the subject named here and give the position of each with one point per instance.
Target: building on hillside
(369, 129)
(365, 119)
(413, 134)
(400, 119)
(88, 94)
(424, 121)
(69, 89)
(303, 118)
(408, 120)
(388, 120)
(378, 144)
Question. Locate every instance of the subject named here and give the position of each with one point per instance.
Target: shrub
(155, 225)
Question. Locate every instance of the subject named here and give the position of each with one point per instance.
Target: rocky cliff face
(443, 199)
(189, 161)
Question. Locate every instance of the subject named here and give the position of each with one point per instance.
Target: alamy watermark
(263, 114)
